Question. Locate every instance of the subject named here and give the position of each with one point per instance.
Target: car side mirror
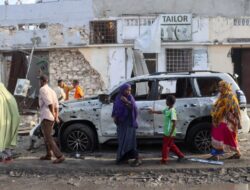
(104, 98)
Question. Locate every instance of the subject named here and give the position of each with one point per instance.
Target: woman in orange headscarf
(226, 122)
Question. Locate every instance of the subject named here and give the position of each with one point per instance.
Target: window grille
(103, 32)
(179, 60)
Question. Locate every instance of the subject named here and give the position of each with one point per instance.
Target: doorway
(241, 60)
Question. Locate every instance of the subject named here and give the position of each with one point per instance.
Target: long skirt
(223, 138)
(9, 121)
(127, 145)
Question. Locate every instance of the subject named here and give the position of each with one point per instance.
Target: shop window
(179, 60)
(151, 61)
(103, 32)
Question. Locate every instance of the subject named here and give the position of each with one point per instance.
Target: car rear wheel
(199, 138)
(78, 138)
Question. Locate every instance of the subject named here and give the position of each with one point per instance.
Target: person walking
(124, 114)
(9, 124)
(170, 118)
(49, 114)
(225, 123)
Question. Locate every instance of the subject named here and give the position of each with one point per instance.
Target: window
(180, 88)
(151, 61)
(208, 86)
(179, 60)
(141, 90)
(41, 26)
(103, 32)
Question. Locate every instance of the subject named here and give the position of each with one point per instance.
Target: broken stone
(15, 174)
(71, 182)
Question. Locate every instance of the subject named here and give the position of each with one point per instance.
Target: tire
(199, 138)
(78, 138)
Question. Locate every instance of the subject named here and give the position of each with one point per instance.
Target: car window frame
(198, 88)
(191, 80)
(152, 95)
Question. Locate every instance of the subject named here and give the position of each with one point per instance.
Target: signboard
(176, 27)
(241, 21)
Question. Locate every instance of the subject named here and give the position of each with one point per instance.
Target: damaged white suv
(88, 122)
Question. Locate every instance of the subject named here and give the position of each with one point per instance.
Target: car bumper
(245, 122)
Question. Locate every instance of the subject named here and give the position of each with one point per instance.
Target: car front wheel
(199, 137)
(78, 138)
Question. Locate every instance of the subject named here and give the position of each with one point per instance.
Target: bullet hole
(42, 26)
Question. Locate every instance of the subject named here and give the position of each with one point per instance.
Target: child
(169, 130)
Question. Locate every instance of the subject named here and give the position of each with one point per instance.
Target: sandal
(59, 160)
(235, 156)
(136, 163)
(46, 157)
(214, 158)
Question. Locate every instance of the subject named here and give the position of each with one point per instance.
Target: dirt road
(98, 171)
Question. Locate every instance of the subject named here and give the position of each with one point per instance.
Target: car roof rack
(183, 72)
(200, 71)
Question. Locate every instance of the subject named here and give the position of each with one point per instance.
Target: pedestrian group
(225, 123)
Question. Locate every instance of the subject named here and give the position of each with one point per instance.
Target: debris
(71, 182)
(15, 174)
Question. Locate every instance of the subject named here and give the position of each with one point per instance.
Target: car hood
(74, 105)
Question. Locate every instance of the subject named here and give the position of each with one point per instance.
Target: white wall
(221, 28)
(99, 60)
(69, 13)
(67, 24)
(199, 7)
(109, 62)
(220, 59)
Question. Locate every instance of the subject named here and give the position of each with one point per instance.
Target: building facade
(94, 41)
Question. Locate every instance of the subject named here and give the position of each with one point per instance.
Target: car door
(143, 94)
(207, 89)
(108, 127)
(187, 106)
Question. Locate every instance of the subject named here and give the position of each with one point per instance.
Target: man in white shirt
(60, 94)
(49, 114)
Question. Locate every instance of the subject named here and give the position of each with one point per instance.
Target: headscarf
(122, 111)
(226, 107)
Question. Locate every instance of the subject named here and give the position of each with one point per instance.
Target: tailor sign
(176, 27)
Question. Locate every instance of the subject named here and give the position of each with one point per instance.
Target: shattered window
(180, 88)
(151, 62)
(22, 27)
(208, 86)
(140, 90)
(103, 32)
(179, 60)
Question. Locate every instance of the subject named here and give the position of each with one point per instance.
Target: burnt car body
(87, 123)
